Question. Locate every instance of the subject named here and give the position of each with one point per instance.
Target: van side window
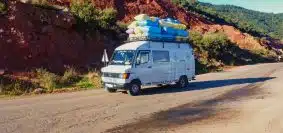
(160, 56)
(143, 57)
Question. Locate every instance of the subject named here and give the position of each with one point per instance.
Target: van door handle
(149, 67)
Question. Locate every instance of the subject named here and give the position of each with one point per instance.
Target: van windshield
(124, 57)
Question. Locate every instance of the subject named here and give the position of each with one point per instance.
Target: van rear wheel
(183, 82)
(134, 89)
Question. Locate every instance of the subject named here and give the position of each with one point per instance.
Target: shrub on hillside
(184, 2)
(90, 18)
(3, 8)
(122, 25)
(215, 44)
(209, 45)
(107, 17)
(214, 50)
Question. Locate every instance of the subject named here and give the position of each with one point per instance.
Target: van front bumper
(116, 86)
(115, 83)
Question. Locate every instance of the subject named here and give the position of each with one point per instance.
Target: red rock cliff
(35, 37)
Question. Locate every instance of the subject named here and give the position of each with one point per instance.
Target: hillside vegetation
(256, 23)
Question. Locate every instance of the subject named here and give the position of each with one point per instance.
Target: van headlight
(124, 75)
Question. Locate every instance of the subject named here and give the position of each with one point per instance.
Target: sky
(270, 6)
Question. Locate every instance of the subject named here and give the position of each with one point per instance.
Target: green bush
(70, 76)
(89, 18)
(261, 52)
(184, 2)
(15, 88)
(12, 86)
(122, 25)
(84, 11)
(107, 18)
(85, 83)
(215, 44)
(95, 79)
(213, 50)
(47, 79)
(3, 8)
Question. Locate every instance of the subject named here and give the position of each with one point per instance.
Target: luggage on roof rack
(159, 38)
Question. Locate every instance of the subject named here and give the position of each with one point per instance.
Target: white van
(147, 63)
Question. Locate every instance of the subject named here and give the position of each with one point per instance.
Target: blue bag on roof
(156, 36)
(150, 29)
(148, 23)
(169, 30)
(152, 34)
(182, 33)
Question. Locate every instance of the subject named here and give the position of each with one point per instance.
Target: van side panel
(181, 62)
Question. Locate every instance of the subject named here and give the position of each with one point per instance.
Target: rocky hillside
(127, 9)
(33, 36)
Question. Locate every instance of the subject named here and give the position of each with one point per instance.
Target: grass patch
(49, 82)
(85, 83)
(44, 81)
(13, 86)
(70, 79)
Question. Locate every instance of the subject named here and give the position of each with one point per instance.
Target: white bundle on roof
(146, 26)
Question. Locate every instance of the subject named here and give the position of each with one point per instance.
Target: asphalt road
(244, 99)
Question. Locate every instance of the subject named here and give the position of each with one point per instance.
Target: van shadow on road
(209, 110)
(202, 85)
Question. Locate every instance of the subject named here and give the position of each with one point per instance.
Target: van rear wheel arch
(183, 81)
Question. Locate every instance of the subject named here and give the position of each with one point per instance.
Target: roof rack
(159, 39)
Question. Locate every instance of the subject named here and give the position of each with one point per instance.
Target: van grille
(111, 75)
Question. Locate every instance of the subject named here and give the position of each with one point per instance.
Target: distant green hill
(256, 23)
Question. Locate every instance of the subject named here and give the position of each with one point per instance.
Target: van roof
(144, 44)
(131, 45)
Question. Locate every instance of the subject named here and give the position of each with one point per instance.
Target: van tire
(111, 90)
(134, 88)
(183, 82)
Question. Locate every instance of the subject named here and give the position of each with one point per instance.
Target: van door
(190, 62)
(180, 64)
(143, 67)
(161, 66)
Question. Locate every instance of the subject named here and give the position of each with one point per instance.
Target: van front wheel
(183, 82)
(134, 89)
